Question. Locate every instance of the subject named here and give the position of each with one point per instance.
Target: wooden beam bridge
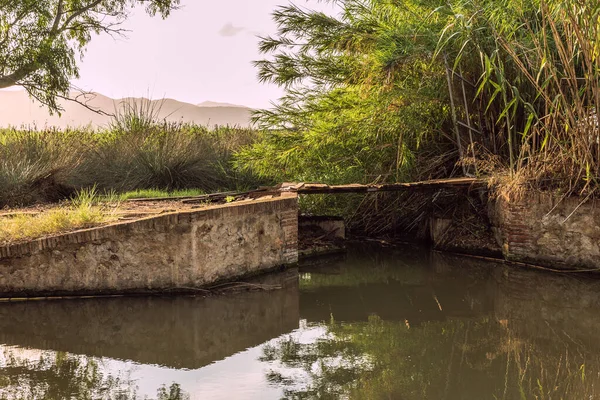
(318, 188)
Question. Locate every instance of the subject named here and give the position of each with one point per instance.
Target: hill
(18, 110)
(217, 104)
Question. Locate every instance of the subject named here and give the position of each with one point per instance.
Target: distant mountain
(217, 104)
(18, 110)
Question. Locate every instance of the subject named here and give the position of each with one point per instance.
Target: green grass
(23, 227)
(88, 208)
(158, 193)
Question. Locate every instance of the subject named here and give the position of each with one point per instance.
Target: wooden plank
(317, 188)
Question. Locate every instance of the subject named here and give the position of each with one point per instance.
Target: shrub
(35, 165)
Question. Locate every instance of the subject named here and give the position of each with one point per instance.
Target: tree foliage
(40, 41)
(362, 93)
(501, 87)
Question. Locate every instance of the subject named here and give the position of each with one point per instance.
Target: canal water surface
(376, 323)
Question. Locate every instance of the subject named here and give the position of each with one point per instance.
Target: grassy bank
(85, 210)
(384, 93)
(81, 178)
(24, 227)
(88, 208)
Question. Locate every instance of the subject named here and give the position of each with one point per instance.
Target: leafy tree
(40, 40)
(362, 91)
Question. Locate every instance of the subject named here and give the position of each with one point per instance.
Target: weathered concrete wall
(545, 230)
(175, 251)
(470, 235)
(331, 227)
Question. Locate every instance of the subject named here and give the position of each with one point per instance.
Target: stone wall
(547, 230)
(177, 251)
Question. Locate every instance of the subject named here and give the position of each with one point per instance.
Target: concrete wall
(175, 251)
(330, 227)
(545, 230)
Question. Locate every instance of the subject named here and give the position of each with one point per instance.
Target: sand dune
(18, 110)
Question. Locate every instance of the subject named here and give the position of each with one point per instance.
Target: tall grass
(162, 156)
(37, 164)
(534, 72)
(136, 152)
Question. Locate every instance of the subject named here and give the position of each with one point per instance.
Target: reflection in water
(57, 375)
(380, 324)
(123, 348)
(175, 332)
(441, 327)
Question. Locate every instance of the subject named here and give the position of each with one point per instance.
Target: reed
(533, 70)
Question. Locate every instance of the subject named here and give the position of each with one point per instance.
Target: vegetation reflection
(453, 359)
(439, 334)
(58, 375)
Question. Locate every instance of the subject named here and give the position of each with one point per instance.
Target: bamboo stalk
(453, 111)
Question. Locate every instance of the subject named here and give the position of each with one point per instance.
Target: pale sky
(203, 51)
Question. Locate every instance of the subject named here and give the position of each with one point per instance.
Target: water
(375, 324)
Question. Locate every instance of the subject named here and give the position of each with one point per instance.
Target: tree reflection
(60, 376)
(174, 392)
(453, 359)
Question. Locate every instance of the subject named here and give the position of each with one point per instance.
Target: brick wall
(547, 230)
(289, 224)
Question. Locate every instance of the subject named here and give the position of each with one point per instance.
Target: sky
(203, 51)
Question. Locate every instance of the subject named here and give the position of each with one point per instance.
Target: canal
(375, 323)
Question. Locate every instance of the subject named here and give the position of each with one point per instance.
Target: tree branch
(14, 78)
(79, 12)
(38, 40)
(58, 17)
(86, 95)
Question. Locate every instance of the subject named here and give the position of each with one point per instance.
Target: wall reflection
(176, 332)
